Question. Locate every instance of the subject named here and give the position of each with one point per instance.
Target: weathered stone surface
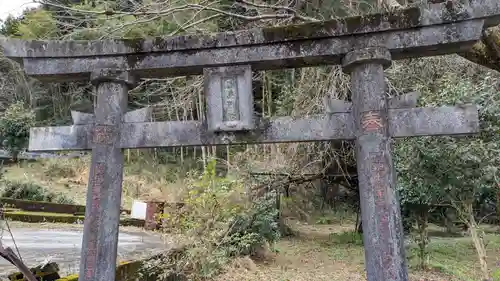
(383, 235)
(134, 116)
(403, 122)
(80, 118)
(368, 55)
(102, 215)
(427, 41)
(46, 207)
(229, 95)
(425, 15)
(139, 115)
(434, 121)
(408, 100)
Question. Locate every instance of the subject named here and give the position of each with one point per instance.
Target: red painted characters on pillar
(371, 121)
(102, 134)
(97, 181)
(380, 184)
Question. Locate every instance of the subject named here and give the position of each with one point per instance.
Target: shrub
(219, 222)
(496, 275)
(15, 125)
(31, 191)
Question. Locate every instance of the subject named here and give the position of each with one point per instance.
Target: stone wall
(49, 207)
(125, 271)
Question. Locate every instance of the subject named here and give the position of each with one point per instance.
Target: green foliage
(435, 170)
(31, 191)
(37, 24)
(453, 256)
(15, 125)
(459, 172)
(496, 275)
(10, 26)
(220, 222)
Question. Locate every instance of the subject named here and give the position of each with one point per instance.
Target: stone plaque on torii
(364, 45)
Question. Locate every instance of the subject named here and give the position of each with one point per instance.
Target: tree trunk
(448, 220)
(478, 241)
(497, 219)
(422, 222)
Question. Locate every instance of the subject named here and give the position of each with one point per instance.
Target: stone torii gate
(364, 45)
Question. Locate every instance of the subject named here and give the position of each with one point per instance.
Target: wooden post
(153, 208)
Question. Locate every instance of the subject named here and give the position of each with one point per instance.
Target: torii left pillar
(102, 215)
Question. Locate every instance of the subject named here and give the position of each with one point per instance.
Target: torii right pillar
(383, 235)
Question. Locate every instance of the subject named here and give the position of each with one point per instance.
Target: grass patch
(456, 256)
(340, 256)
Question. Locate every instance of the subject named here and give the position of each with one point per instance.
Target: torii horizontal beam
(404, 122)
(431, 30)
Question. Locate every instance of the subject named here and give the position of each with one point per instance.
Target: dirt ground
(313, 256)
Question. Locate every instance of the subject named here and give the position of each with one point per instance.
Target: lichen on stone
(135, 44)
(455, 11)
(359, 24)
(493, 39)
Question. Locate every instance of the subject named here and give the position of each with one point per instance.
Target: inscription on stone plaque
(229, 98)
(102, 134)
(230, 102)
(371, 121)
(97, 182)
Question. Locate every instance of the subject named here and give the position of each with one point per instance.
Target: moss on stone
(37, 217)
(479, 49)
(48, 272)
(73, 277)
(455, 12)
(37, 206)
(36, 46)
(159, 43)
(125, 271)
(135, 44)
(397, 20)
(43, 214)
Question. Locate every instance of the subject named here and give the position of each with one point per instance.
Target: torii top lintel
(434, 29)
